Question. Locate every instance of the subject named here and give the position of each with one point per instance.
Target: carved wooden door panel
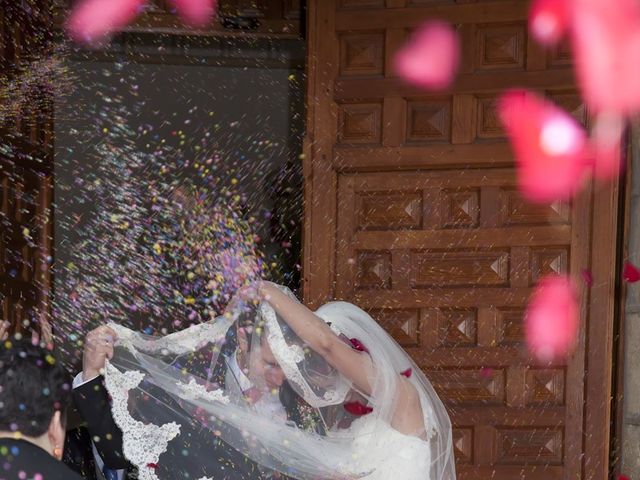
(26, 166)
(412, 212)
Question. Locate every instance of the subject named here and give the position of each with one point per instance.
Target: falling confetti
(156, 227)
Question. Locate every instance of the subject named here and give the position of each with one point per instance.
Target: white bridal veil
(207, 385)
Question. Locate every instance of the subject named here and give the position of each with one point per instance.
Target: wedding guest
(35, 391)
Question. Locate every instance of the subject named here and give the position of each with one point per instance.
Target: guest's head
(35, 390)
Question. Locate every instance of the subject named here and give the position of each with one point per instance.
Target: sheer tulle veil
(183, 384)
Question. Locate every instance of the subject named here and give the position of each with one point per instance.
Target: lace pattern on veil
(178, 343)
(142, 443)
(289, 356)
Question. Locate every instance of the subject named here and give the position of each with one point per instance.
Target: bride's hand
(249, 294)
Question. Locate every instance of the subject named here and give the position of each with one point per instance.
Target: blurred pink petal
(631, 273)
(550, 146)
(587, 277)
(551, 319)
(197, 13)
(605, 39)
(548, 20)
(430, 58)
(92, 21)
(486, 372)
(606, 145)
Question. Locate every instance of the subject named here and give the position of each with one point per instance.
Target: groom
(92, 402)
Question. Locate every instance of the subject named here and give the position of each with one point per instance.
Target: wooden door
(26, 167)
(412, 212)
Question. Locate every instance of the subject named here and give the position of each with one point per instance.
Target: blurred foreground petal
(93, 21)
(550, 146)
(430, 58)
(551, 319)
(549, 20)
(197, 13)
(605, 41)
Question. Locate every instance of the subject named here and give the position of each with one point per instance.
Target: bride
(365, 409)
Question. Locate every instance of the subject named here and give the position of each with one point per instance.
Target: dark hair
(34, 385)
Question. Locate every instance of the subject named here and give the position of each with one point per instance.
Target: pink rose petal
(587, 277)
(605, 36)
(430, 59)
(551, 319)
(407, 373)
(197, 13)
(92, 21)
(550, 146)
(630, 273)
(606, 145)
(548, 20)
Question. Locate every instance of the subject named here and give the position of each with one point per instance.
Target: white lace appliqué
(195, 391)
(142, 444)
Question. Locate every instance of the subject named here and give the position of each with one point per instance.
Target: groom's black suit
(92, 402)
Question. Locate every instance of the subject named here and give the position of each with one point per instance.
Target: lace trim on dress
(142, 444)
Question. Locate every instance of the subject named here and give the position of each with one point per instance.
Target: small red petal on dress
(152, 465)
(358, 345)
(631, 273)
(407, 373)
(357, 408)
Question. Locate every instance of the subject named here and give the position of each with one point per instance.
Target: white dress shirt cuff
(79, 380)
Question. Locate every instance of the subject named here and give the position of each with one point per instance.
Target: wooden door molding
(412, 212)
(26, 176)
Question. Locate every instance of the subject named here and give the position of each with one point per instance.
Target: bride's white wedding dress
(386, 453)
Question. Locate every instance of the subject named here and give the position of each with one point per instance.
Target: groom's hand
(98, 346)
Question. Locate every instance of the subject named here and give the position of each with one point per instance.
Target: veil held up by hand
(246, 382)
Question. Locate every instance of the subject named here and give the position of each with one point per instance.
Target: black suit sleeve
(92, 401)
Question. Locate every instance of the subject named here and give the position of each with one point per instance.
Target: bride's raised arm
(354, 365)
